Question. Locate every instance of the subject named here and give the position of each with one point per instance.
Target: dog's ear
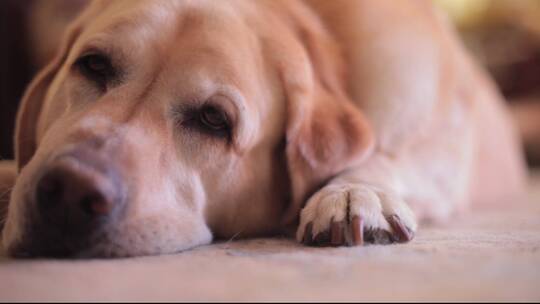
(326, 133)
(34, 97)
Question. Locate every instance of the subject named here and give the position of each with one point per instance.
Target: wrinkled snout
(77, 196)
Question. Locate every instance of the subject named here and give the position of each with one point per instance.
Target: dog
(162, 125)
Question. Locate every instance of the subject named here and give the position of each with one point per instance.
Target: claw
(308, 237)
(337, 234)
(401, 233)
(357, 227)
(356, 236)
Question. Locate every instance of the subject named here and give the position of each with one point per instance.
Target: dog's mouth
(55, 243)
(61, 236)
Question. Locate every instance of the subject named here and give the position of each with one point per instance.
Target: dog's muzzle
(78, 195)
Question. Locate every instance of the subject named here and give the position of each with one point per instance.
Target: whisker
(5, 193)
(234, 236)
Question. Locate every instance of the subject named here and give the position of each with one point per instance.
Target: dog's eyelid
(92, 51)
(243, 125)
(224, 104)
(99, 45)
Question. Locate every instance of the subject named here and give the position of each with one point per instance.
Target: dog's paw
(354, 214)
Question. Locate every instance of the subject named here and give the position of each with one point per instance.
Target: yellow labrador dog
(161, 125)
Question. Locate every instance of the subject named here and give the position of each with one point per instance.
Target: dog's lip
(59, 247)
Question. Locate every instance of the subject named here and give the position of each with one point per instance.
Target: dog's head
(163, 123)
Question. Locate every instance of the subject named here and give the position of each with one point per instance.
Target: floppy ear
(34, 97)
(326, 133)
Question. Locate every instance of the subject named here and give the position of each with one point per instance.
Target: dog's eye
(208, 119)
(97, 68)
(213, 118)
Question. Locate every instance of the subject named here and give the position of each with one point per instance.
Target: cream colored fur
(368, 108)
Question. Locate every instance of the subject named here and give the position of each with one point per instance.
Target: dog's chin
(140, 245)
(119, 242)
(105, 248)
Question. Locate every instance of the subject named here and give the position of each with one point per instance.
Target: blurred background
(504, 35)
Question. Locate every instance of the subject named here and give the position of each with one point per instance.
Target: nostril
(49, 190)
(74, 192)
(96, 204)
(74, 203)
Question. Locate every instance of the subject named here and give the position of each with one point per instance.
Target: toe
(401, 233)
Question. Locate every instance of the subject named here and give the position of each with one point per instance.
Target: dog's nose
(76, 196)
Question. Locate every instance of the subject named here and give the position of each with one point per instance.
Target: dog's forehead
(184, 48)
(170, 16)
(202, 33)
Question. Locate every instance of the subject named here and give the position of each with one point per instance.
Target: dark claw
(402, 234)
(337, 234)
(308, 236)
(357, 229)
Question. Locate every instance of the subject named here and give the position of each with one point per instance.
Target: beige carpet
(484, 255)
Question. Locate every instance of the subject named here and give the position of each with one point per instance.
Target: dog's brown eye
(208, 120)
(213, 118)
(96, 67)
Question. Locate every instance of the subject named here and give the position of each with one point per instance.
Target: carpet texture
(487, 254)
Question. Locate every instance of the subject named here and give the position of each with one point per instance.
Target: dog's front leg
(361, 205)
